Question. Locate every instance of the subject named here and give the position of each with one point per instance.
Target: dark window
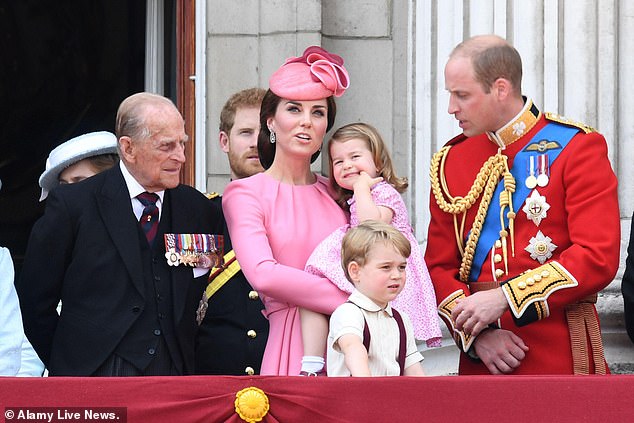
(66, 66)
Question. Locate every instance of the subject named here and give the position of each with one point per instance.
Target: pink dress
(274, 227)
(417, 299)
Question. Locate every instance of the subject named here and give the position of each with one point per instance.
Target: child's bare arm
(355, 355)
(366, 208)
(415, 369)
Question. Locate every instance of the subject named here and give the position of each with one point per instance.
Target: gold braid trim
(463, 340)
(484, 185)
(584, 329)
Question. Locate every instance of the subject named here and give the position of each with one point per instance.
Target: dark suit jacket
(223, 345)
(85, 251)
(627, 286)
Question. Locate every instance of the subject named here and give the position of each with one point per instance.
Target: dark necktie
(150, 217)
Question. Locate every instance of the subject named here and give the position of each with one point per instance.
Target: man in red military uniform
(524, 227)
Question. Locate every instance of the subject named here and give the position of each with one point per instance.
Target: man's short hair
(130, 120)
(492, 57)
(249, 98)
(358, 242)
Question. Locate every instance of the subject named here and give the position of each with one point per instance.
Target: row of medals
(540, 246)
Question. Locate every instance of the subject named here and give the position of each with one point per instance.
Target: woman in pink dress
(276, 218)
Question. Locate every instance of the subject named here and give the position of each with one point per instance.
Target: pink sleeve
(245, 220)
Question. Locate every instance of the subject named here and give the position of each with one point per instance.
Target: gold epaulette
(564, 120)
(212, 195)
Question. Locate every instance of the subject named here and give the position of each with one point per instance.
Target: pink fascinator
(315, 75)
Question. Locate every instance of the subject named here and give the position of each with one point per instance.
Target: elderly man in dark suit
(99, 248)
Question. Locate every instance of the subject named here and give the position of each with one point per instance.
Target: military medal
(536, 208)
(542, 178)
(203, 305)
(531, 180)
(541, 247)
(173, 258)
(195, 250)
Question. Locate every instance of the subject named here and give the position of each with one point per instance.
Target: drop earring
(272, 137)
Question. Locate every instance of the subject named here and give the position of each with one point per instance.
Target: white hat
(72, 151)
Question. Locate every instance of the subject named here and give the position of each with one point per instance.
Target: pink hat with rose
(315, 75)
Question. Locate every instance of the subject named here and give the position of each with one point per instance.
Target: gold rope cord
(584, 329)
(484, 185)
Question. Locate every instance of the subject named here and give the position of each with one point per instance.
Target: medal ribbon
(491, 228)
(190, 246)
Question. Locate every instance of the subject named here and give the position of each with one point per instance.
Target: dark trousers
(161, 365)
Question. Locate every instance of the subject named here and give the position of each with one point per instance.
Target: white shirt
(384, 337)
(135, 188)
(17, 356)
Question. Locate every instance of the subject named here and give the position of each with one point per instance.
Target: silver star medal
(173, 258)
(541, 247)
(536, 208)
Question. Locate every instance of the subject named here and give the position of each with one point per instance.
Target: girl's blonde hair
(380, 155)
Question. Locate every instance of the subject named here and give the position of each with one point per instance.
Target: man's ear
(353, 271)
(126, 149)
(502, 88)
(223, 139)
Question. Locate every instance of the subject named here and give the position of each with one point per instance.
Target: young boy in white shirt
(365, 336)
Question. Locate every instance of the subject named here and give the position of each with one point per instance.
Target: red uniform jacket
(582, 221)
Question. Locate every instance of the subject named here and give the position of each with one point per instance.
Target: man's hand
(475, 312)
(500, 350)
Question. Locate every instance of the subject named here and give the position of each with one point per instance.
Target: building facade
(575, 63)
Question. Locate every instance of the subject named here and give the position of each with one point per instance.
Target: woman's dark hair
(266, 150)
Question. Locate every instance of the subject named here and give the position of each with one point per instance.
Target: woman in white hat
(79, 158)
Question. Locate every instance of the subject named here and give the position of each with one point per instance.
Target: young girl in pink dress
(361, 173)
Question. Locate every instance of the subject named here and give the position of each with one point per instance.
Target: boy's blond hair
(358, 242)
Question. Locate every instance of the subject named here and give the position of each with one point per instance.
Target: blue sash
(491, 227)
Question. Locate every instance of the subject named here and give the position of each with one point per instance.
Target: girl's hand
(366, 181)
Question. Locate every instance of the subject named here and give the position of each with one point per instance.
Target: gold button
(537, 277)
(251, 333)
(499, 272)
(521, 285)
(253, 295)
(497, 258)
(530, 281)
(249, 370)
(545, 274)
(498, 243)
